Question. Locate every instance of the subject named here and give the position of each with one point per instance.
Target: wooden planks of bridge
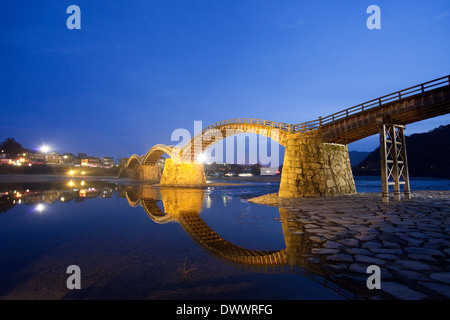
(422, 102)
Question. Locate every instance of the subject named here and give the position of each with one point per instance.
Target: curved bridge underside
(155, 153)
(216, 132)
(134, 161)
(203, 235)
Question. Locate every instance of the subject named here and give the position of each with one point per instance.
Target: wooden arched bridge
(316, 159)
(183, 206)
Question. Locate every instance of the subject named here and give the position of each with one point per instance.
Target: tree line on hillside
(428, 155)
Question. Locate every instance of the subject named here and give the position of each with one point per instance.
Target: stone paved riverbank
(408, 240)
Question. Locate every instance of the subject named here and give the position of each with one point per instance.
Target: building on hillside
(123, 162)
(53, 158)
(36, 158)
(68, 158)
(108, 162)
(94, 162)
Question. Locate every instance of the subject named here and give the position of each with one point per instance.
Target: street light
(45, 149)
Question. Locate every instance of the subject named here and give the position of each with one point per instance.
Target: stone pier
(146, 172)
(183, 174)
(314, 168)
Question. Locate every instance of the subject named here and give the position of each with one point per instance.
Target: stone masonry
(183, 174)
(314, 168)
(144, 172)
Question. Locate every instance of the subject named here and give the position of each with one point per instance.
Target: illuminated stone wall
(143, 172)
(314, 168)
(183, 174)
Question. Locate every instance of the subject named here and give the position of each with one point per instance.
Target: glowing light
(71, 172)
(82, 172)
(62, 199)
(71, 183)
(82, 183)
(201, 158)
(40, 207)
(45, 149)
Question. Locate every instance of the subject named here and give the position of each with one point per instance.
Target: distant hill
(357, 156)
(428, 155)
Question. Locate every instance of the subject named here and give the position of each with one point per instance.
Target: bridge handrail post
(320, 122)
(423, 88)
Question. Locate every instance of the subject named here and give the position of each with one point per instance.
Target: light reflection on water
(137, 241)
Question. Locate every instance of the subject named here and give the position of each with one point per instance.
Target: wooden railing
(372, 104)
(338, 116)
(259, 122)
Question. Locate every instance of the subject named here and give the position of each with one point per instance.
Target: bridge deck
(405, 111)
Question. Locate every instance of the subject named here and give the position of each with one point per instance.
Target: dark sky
(137, 70)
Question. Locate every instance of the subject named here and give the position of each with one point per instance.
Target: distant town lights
(40, 207)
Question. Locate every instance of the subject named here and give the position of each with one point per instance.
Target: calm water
(137, 242)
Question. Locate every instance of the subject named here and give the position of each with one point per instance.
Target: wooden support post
(394, 157)
(393, 160)
(405, 173)
(383, 162)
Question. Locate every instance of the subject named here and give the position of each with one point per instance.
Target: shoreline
(408, 240)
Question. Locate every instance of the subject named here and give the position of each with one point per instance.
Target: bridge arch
(216, 132)
(184, 207)
(133, 161)
(155, 153)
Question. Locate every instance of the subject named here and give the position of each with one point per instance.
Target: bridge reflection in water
(184, 205)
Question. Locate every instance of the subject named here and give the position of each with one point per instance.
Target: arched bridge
(316, 158)
(184, 206)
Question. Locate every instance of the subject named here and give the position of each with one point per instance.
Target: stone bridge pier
(146, 172)
(314, 168)
(177, 173)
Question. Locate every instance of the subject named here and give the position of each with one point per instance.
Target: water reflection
(39, 194)
(184, 207)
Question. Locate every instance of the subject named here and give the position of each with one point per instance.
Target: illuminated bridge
(183, 206)
(316, 159)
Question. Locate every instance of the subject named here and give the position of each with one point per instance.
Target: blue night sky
(137, 70)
